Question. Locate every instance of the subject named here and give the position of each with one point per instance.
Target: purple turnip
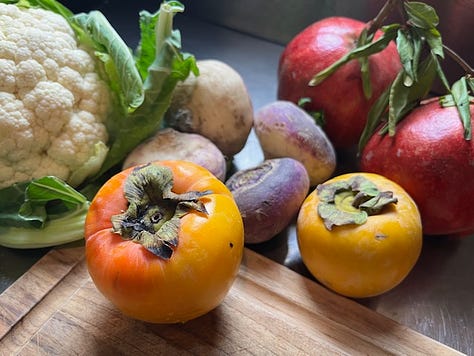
(285, 130)
(269, 196)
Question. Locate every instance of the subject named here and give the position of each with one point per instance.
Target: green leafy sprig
(419, 44)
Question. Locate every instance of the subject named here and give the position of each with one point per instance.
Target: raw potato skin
(269, 196)
(215, 104)
(169, 144)
(285, 130)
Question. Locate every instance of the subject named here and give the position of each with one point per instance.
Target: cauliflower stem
(45, 207)
(58, 231)
(41, 213)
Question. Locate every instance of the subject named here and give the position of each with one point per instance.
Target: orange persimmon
(164, 241)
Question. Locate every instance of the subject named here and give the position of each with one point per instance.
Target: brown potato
(169, 144)
(215, 104)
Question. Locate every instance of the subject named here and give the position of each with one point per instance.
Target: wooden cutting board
(55, 309)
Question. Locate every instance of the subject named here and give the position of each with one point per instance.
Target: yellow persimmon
(359, 234)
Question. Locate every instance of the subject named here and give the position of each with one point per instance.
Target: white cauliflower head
(53, 103)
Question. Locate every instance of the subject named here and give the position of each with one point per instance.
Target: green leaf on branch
(421, 15)
(390, 32)
(460, 98)
(421, 50)
(406, 50)
(433, 38)
(399, 104)
(374, 118)
(364, 64)
(398, 100)
(403, 99)
(424, 20)
(470, 83)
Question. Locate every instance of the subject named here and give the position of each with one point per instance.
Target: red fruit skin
(429, 157)
(340, 96)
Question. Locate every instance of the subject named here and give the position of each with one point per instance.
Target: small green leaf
(374, 118)
(364, 65)
(447, 101)
(398, 102)
(421, 15)
(440, 73)
(433, 38)
(403, 99)
(317, 115)
(460, 96)
(406, 51)
(417, 45)
(470, 82)
(365, 74)
(303, 101)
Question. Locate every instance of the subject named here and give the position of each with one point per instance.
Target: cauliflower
(53, 103)
(70, 112)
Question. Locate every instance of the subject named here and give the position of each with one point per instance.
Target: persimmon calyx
(351, 201)
(154, 211)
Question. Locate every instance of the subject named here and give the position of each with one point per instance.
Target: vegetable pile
(140, 143)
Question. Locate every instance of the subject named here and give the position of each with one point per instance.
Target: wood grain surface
(55, 309)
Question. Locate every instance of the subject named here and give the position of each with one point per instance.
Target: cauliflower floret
(53, 104)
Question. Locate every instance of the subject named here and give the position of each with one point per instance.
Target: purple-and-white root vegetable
(286, 130)
(269, 196)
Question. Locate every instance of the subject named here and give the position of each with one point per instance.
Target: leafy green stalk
(65, 229)
(116, 55)
(41, 213)
(169, 66)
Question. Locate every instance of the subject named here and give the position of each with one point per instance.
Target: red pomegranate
(429, 157)
(340, 96)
